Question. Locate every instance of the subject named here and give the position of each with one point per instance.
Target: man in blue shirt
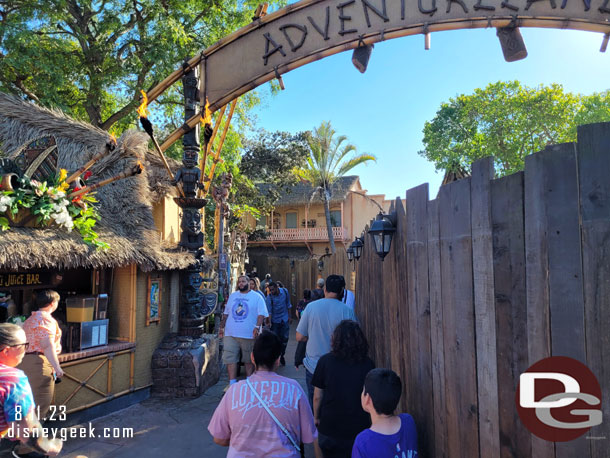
(278, 305)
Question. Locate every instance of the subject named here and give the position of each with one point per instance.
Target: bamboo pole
(109, 379)
(82, 383)
(133, 297)
(148, 128)
(85, 167)
(219, 149)
(131, 368)
(208, 147)
(94, 358)
(128, 173)
(107, 398)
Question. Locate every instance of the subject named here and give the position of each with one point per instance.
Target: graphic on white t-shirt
(240, 310)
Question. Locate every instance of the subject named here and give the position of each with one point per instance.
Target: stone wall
(185, 367)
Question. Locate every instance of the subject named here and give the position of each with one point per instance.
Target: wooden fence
(487, 279)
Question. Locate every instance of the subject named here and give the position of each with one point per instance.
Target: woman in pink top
(40, 362)
(242, 423)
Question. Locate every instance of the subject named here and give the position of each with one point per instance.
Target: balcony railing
(311, 234)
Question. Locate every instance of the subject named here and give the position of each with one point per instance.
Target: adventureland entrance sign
(313, 29)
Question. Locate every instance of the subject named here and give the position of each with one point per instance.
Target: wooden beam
(180, 131)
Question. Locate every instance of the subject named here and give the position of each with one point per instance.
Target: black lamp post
(357, 246)
(350, 253)
(382, 230)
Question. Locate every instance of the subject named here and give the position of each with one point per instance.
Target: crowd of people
(349, 408)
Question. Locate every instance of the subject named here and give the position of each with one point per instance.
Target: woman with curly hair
(338, 382)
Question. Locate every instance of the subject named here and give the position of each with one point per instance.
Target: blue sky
(384, 110)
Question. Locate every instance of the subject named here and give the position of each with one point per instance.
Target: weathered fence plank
(565, 271)
(537, 270)
(565, 268)
(394, 303)
(484, 306)
(400, 339)
(594, 170)
(458, 320)
(511, 308)
(436, 334)
(419, 313)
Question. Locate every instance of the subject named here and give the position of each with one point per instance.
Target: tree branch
(19, 84)
(132, 103)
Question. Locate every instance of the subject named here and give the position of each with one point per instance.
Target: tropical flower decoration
(50, 204)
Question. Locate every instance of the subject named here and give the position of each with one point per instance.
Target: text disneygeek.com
(75, 432)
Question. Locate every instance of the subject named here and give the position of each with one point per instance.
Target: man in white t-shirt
(240, 325)
(348, 298)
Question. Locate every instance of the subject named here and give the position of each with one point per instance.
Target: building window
(335, 218)
(262, 221)
(291, 220)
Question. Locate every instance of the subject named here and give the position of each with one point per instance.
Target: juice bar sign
(25, 280)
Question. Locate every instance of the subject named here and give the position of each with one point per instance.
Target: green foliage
(84, 218)
(328, 160)
(272, 157)
(267, 158)
(508, 121)
(90, 59)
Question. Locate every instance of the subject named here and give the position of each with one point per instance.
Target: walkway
(169, 428)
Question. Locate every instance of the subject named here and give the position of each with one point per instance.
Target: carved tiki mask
(191, 222)
(189, 157)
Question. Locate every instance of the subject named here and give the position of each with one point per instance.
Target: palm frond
(360, 159)
(327, 159)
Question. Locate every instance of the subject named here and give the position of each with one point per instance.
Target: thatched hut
(140, 223)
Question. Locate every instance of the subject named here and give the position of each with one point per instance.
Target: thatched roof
(125, 206)
(300, 193)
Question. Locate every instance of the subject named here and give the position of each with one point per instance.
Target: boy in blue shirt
(391, 436)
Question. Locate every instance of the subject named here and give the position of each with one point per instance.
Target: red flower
(87, 174)
(77, 198)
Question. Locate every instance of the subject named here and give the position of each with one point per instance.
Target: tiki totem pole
(220, 194)
(191, 238)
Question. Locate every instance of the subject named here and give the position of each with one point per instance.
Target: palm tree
(327, 162)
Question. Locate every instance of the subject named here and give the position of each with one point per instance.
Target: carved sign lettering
(310, 30)
(25, 280)
(356, 17)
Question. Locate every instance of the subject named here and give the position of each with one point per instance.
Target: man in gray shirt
(317, 324)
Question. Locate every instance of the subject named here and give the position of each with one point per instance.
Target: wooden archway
(313, 29)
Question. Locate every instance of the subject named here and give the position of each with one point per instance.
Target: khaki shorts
(232, 345)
